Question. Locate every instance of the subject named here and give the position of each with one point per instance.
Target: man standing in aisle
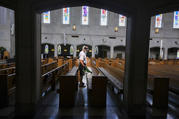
(82, 64)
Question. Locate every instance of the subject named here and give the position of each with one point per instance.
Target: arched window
(46, 17)
(177, 54)
(71, 50)
(176, 19)
(104, 17)
(59, 50)
(85, 14)
(66, 15)
(96, 50)
(46, 49)
(158, 21)
(122, 20)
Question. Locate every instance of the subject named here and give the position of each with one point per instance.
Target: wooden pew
(44, 61)
(97, 94)
(7, 88)
(47, 67)
(71, 63)
(7, 65)
(114, 75)
(68, 88)
(156, 69)
(60, 62)
(49, 79)
(10, 70)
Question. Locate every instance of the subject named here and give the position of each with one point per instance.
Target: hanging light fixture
(157, 30)
(116, 29)
(74, 27)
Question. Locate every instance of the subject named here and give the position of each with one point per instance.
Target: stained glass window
(85, 15)
(122, 20)
(46, 17)
(59, 50)
(71, 50)
(158, 21)
(66, 15)
(176, 19)
(46, 49)
(104, 17)
(177, 54)
(96, 50)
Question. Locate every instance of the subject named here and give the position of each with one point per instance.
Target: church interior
(130, 61)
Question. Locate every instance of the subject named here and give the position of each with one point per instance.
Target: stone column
(93, 51)
(28, 28)
(161, 49)
(56, 50)
(166, 54)
(136, 67)
(111, 51)
(149, 53)
(75, 48)
(123, 55)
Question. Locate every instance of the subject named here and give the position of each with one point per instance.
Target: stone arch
(65, 49)
(51, 50)
(103, 51)
(155, 52)
(79, 48)
(172, 52)
(119, 51)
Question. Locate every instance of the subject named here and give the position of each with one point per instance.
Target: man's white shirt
(82, 56)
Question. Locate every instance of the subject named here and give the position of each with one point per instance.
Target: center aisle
(49, 108)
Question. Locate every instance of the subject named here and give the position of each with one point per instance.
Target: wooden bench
(68, 88)
(114, 75)
(7, 88)
(47, 67)
(7, 65)
(49, 79)
(114, 82)
(96, 86)
(97, 94)
(10, 70)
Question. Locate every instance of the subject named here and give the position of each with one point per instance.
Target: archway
(66, 50)
(155, 53)
(47, 50)
(103, 51)
(119, 52)
(172, 53)
(33, 33)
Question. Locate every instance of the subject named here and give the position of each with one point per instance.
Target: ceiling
(126, 7)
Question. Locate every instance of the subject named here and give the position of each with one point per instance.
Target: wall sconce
(116, 29)
(74, 27)
(157, 30)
